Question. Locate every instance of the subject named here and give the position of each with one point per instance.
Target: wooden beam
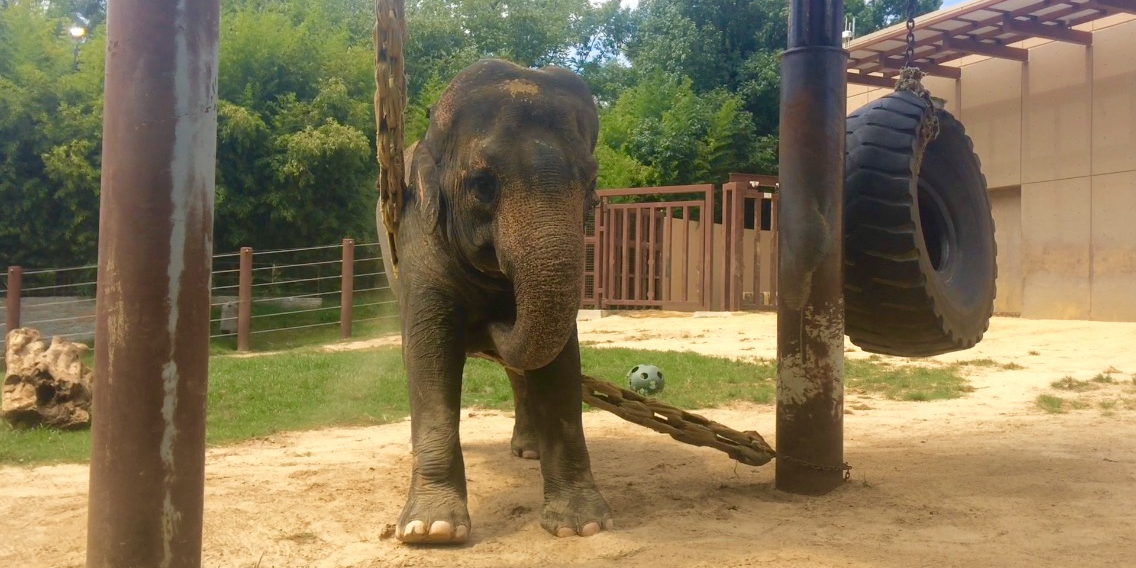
(1069, 8)
(871, 80)
(929, 68)
(982, 48)
(1126, 6)
(1055, 31)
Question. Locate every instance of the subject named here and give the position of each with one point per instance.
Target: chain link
(847, 469)
(910, 55)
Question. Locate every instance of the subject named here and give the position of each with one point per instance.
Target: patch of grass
(906, 383)
(251, 397)
(1107, 404)
(43, 446)
(980, 363)
(1051, 404)
(1103, 378)
(1034, 352)
(1068, 383)
(987, 362)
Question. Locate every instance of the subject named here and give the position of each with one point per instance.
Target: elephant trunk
(542, 253)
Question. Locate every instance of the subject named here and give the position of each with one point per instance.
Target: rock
(229, 311)
(45, 386)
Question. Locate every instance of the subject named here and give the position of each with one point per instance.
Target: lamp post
(77, 34)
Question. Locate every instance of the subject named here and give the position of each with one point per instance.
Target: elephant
(489, 246)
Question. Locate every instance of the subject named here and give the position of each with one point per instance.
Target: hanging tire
(919, 252)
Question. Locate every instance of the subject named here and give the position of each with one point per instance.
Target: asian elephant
(490, 253)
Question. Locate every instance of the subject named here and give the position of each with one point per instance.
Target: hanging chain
(910, 55)
(910, 79)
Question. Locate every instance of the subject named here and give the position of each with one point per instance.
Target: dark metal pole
(12, 303)
(244, 300)
(810, 313)
(155, 248)
(347, 290)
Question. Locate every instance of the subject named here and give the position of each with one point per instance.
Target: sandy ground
(987, 480)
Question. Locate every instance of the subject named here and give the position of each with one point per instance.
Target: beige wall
(1057, 140)
(1006, 207)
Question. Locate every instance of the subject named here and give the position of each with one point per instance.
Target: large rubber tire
(919, 251)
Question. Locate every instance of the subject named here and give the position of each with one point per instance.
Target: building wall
(1057, 141)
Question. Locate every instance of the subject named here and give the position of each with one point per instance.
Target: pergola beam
(871, 80)
(1125, 6)
(1056, 32)
(896, 63)
(976, 47)
(873, 65)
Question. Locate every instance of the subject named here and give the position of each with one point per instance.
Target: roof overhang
(981, 27)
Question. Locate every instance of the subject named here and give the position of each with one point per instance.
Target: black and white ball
(645, 379)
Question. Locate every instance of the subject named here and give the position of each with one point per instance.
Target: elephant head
(506, 172)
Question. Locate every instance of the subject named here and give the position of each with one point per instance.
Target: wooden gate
(650, 255)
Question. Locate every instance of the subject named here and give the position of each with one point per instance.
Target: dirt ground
(987, 480)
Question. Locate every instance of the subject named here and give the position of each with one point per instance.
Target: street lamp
(77, 34)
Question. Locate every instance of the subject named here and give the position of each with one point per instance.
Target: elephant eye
(483, 185)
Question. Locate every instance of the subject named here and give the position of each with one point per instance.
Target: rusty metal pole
(244, 300)
(347, 290)
(147, 475)
(810, 315)
(12, 303)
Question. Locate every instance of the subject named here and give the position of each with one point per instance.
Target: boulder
(45, 385)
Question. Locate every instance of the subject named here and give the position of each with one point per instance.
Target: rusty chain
(390, 108)
(911, 80)
(847, 469)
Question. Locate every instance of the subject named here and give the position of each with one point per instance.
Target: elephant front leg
(435, 510)
(524, 443)
(572, 504)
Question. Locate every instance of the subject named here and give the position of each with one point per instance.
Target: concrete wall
(1057, 140)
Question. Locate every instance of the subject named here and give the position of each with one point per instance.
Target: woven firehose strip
(390, 107)
(747, 447)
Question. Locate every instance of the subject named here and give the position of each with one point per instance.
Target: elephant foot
(433, 520)
(578, 512)
(524, 445)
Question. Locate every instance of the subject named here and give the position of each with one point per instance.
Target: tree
(873, 15)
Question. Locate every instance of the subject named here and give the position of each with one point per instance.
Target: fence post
(347, 291)
(708, 250)
(15, 284)
(244, 300)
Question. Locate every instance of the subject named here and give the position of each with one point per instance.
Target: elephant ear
(423, 185)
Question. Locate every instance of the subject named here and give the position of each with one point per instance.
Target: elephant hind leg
(524, 443)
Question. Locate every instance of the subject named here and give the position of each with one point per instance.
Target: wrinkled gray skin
(491, 258)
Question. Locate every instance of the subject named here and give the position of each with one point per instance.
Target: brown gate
(650, 255)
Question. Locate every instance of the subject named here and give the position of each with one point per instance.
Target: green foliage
(876, 15)
(688, 92)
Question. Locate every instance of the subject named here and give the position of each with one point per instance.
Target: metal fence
(253, 293)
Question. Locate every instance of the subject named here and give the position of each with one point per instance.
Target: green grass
(906, 383)
(1073, 385)
(1051, 404)
(250, 397)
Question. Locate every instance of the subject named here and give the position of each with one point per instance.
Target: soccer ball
(645, 379)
